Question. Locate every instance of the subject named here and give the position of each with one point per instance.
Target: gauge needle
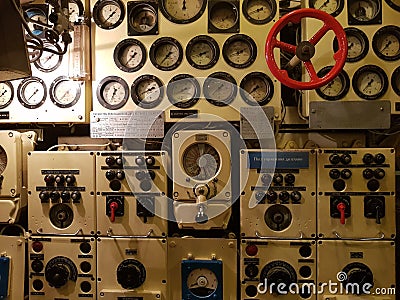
(227, 17)
(166, 57)
(34, 93)
(325, 3)
(256, 10)
(218, 88)
(148, 90)
(111, 15)
(184, 5)
(328, 86)
(350, 45)
(202, 53)
(387, 45)
(114, 93)
(2, 94)
(132, 57)
(48, 58)
(65, 94)
(254, 89)
(368, 85)
(237, 52)
(182, 90)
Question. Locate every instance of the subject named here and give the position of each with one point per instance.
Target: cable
(79, 145)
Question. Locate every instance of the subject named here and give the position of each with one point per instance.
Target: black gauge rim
(344, 77)
(42, 9)
(377, 19)
(220, 76)
(235, 9)
(134, 8)
(246, 39)
(169, 17)
(20, 91)
(100, 88)
(188, 103)
(97, 8)
(213, 45)
(246, 14)
(52, 92)
(121, 46)
(337, 11)
(12, 94)
(268, 82)
(362, 37)
(80, 6)
(396, 76)
(390, 29)
(134, 94)
(392, 5)
(60, 58)
(155, 46)
(375, 69)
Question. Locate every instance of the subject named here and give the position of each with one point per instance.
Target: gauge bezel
(43, 9)
(134, 8)
(135, 97)
(20, 91)
(171, 18)
(255, 21)
(220, 76)
(155, 46)
(97, 8)
(361, 36)
(392, 5)
(8, 83)
(377, 19)
(246, 39)
(337, 11)
(100, 88)
(215, 4)
(213, 45)
(344, 78)
(370, 68)
(60, 58)
(188, 103)
(390, 29)
(53, 87)
(268, 81)
(80, 7)
(395, 75)
(121, 47)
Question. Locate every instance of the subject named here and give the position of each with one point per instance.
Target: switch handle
(113, 209)
(341, 207)
(378, 217)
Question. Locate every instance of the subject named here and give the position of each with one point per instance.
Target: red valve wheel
(305, 50)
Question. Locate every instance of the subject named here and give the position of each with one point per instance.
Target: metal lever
(380, 237)
(279, 238)
(79, 231)
(109, 234)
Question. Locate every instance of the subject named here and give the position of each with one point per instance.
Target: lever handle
(341, 207)
(113, 209)
(378, 217)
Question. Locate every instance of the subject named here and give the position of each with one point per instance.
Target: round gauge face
(76, 10)
(396, 81)
(48, 61)
(130, 55)
(364, 10)
(201, 161)
(220, 88)
(370, 82)
(239, 51)
(6, 94)
(386, 43)
(147, 91)
(332, 7)
(202, 52)
(357, 42)
(65, 92)
(256, 88)
(224, 16)
(259, 11)
(142, 18)
(395, 4)
(112, 92)
(202, 282)
(337, 88)
(166, 54)
(36, 16)
(183, 11)
(3, 159)
(108, 14)
(183, 91)
(32, 92)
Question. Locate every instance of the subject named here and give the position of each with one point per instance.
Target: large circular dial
(147, 91)
(201, 161)
(131, 274)
(37, 16)
(143, 18)
(3, 159)
(360, 274)
(59, 270)
(112, 92)
(6, 94)
(370, 82)
(76, 10)
(256, 88)
(183, 91)
(202, 52)
(223, 16)
(332, 7)
(386, 43)
(278, 217)
(396, 81)
(108, 14)
(220, 88)
(337, 88)
(259, 11)
(364, 11)
(65, 92)
(32, 92)
(239, 51)
(166, 53)
(183, 11)
(130, 55)
(277, 272)
(357, 42)
(48, 61)
(61, 215)
(202, 282)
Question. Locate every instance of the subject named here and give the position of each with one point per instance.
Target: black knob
(272, 196)
(346, 174)
(57, 276)
(115, 185)
(145, 185)
(37, 284)
(65, 196)
(86, 286)
(345, 159)
(49, 179)
(76, 196)
(334, 173)
(295, 196)
(251, 270)
(284, 197)
(339, 185)
(140, 161)
(266, 179)
(290, 178)
(368, 173)
(131, 274)
(150, 160)
(70, 179)
(110, 174)
(279, 275)
(85, 247)
(120, 174)
(37, 265)
(380, 158)
(85, 266)
(119, 161)
(140, 175)
(368, 158)
(379, 173)
(110, 160)
(278, 179)
(373, 185)
(260, 196)
(334, 159)
(44, 196)
(54, 196)
(60, 179)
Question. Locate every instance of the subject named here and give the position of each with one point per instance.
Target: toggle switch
(114, 207)
(374, 208)
(340, 208)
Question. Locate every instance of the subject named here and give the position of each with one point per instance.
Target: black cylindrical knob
(278, 179)
(334, 159)
(368, 158)
(110, 160)
(290, 178)
(110, 174)
(346, 174)
(345, 159)
(368, 173)
(272, 196)
(379, 173)
(295, 196)
(380, 158)
(334, 174)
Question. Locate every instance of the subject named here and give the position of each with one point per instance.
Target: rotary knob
(60, 179)
(272, 196)
(334, 173)
(119, 161)
(278, 179)
(54, 196)
(110, 174)
(346, 173)
(290, 179)
(110, 160)
(284, 197)
(334, 159)
(150, 160)
(131, 274)
(380, 158)
(140, 161)
(368, 173)
(120, 174)
(44, 196)
(266, 179)
(57, 275)
(251, 270)
(368, 158)
(260, 196)
(49, 179)
(65, 196)
(76, 196)
(379, 173)
(345, 159)
(295, 196)
(70, 179)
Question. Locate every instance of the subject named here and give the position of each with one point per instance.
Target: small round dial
(183, 91)
(3, 159)
(202, 282)
(396, 81)
(239, 51)
(256, 88)
(108, 14)
(147, 91)
(223, 17)
(386, 43)
(220, 88)
(32, 92)
(259, 11)
(370, 82)
(337, 88)
(364, 11)
(130, 55)
(202, 52)
(142, 18)
(6, 94)
(131, 274)
(76, 10)
(277, 272)
(48, 61)
(112, 92)
(183, 11)
(395, 4)
(37, 16)
(357, 42)
(332, 7)
(65, 92)
(59, 270)
(166, 53)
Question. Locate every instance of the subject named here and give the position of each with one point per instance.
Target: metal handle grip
(380, 237)
(109, 234)
(40, 231)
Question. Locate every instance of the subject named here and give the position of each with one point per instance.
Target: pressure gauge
(166, 53)
(48, 61)
(130, 55)
(108, 14)
(183, 91)
(335, 89)
(202, 283)
(256, 88)
(223, 16)
(239, 51)
(364, 12)
(220, 88)
(202, 52)
(395, 4)
(386, 43)
(112, 92)
(183, 11)
(36, 17)
(147, 91)
(32, 92)
(259, 11)
(396, 81)
(76, 10)
(65, 92)
(142, 18)
(332, 7)
(370, 82)
(6, 94)
(357, 43)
